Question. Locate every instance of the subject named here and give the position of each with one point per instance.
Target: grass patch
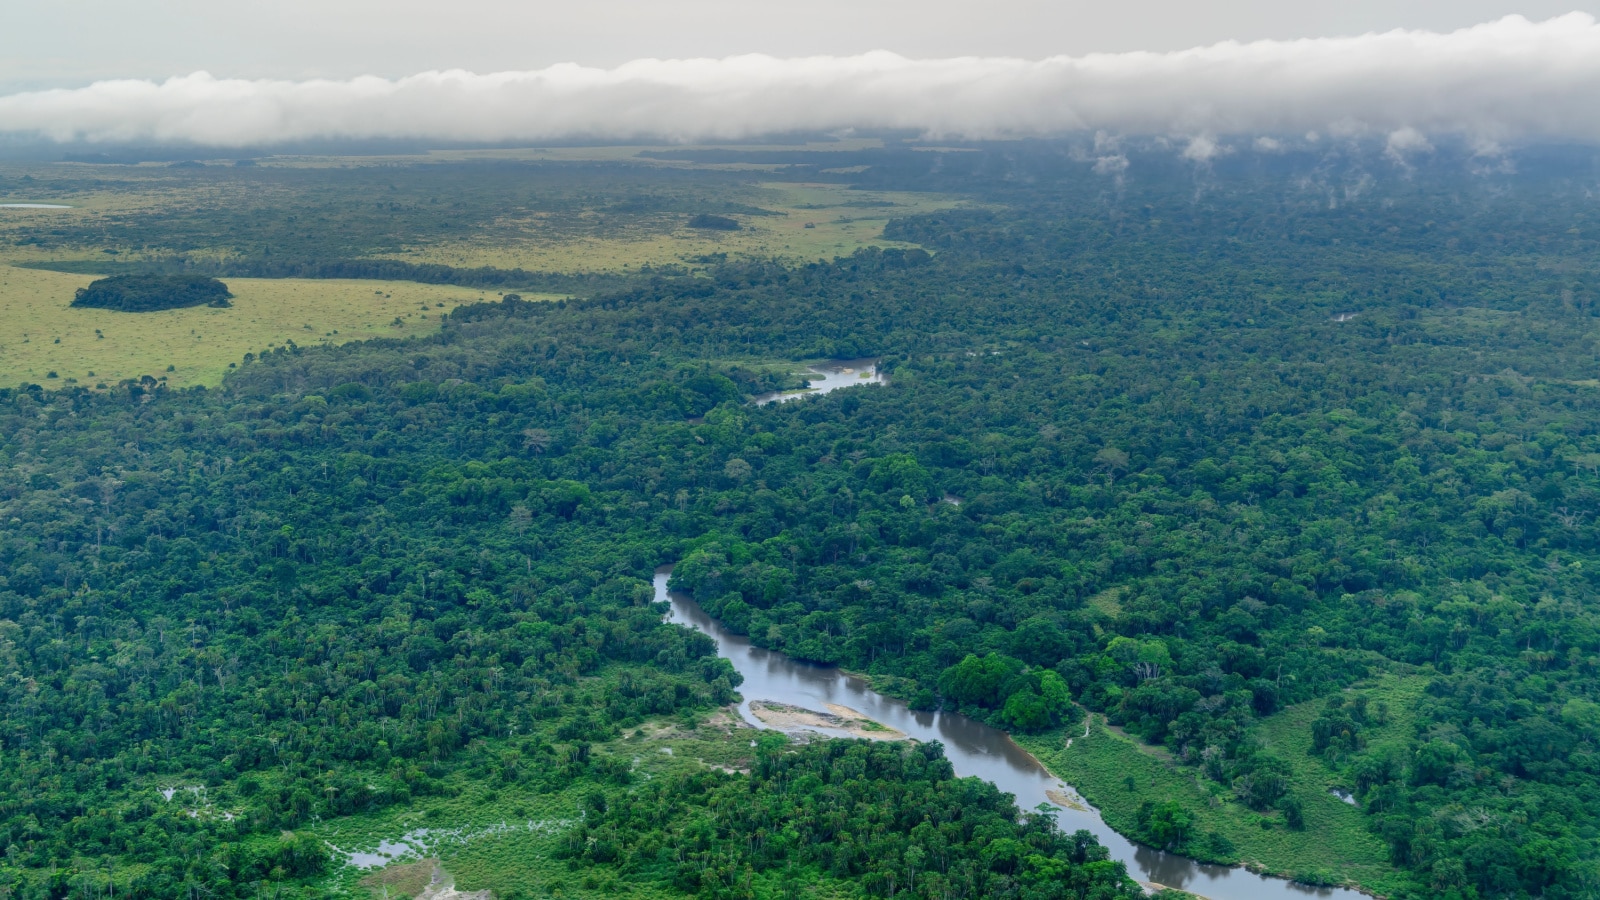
(40, 333)
(1335, 845)
(401, 879)
(812, 221)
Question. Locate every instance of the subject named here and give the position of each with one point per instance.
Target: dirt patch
(1062, 798)
(402, 880)
(725, 720)
(784, 717)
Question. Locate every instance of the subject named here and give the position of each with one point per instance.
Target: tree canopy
(1177, 457)
(149, 293)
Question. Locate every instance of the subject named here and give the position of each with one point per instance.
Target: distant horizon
(1507, 81)
(74, 44)
(1103, 154)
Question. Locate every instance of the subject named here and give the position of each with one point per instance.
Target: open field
(568, 210)
(154, 214)
(805, 222)
(1335, 843)
(40, 333)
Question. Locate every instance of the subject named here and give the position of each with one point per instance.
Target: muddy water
(973, 749)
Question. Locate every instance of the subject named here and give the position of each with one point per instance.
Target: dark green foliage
(1189, 496)
(377, 269)
(1338, 731)
(890, 817)
(149, 293)
(1164, 825)
(713, 223)
(1293, 813)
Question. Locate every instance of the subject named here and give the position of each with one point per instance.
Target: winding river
(973, 748)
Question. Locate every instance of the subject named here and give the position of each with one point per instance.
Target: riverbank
(1334, 848)
(980, 750)
(784, 717)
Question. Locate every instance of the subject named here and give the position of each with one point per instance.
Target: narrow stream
(973, 748)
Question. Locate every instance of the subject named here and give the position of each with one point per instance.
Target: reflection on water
(828, 377)
(33, 206)
(973, 749)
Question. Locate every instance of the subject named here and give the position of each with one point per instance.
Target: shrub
(713, 223)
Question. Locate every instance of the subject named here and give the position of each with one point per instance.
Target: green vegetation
(713, 223)
(600, 223)
(508, 831)
(1296, 496)
(40, 332)
(1328, 841)
(149, 293)
(881, 815)
(518, 224)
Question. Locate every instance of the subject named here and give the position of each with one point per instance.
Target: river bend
(973, 748)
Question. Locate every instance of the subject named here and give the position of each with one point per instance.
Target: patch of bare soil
(784, 717)
(401, 880)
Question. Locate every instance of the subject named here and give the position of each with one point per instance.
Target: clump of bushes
(713, 223)
(149, 293)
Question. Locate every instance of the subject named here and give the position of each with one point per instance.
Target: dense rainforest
(1178, 452)
(881, 814)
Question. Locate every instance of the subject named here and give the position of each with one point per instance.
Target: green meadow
(45, 341)
(1334, 846)
(579, 211)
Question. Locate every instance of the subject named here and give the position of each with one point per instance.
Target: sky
(68, 43)
(237, 72)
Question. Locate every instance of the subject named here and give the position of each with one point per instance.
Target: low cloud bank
(1505, 81)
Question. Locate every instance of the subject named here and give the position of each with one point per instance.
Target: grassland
(1335, 844)
(589, 210)
(804, 222)
(40, 333)
(561, 210)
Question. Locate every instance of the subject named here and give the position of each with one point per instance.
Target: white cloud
(1406, 142)
(1500, 82)
(1111, 165)
(1202, 149)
